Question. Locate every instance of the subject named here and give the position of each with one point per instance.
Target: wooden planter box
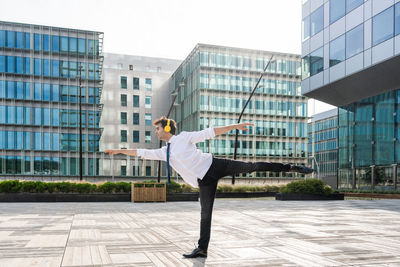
(149, 192)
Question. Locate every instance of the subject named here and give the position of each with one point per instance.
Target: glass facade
(39, 96)
(217, 83)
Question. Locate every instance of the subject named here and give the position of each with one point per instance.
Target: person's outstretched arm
(128, 152)
(239, 126)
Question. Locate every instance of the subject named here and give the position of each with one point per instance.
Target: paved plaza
(246, 232)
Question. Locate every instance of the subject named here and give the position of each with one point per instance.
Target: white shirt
(190, 162)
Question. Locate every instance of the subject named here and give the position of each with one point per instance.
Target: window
(136, 136)
(123, 170)
(355, 41)
(135, 118)
(337, 51)
(337, 9)
(46, 42)
(136, 101)
(147, 103)
(123, 136)
(353, 4)
(147, 119)
(316, 61)
(123, 101)
(148, 170)
(135, 83)
(148, 84)
(124, 82)
(36, 42)
(382, 26)
(55, 43)
(397, 19)
(317, 20)
(147, 137)
(123, 117)
(130, 67)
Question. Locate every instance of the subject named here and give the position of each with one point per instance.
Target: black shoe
(196, 253)
(301, 169)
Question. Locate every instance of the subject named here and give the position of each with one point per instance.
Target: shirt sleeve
(200, 136)
(153, 154)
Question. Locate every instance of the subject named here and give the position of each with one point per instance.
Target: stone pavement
(246, 232)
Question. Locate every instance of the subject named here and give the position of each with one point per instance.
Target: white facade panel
(383, 51)
(367, 34)
(305, 48)
(317, 81)
(326, 15)
(367, 58)
(397, 44)
(368, 9)
(326, 35)
(326, 56)
(337, 28)
(355, 63)
(317, 41)
(354, 18)
(380, 5)
(337, 72)
(305, 86)
(306, 9)
(326, 76)
(315, 4)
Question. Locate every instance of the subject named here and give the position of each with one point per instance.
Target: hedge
(309, 186)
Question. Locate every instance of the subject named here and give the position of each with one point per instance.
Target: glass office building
(323, 144)
(212, 86)
(40, 67)
(350, 59)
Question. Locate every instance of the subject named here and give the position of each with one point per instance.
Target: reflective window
(123, 117)
(20, 40)
(148, 84)
(135, 83)
(20, 65)
(27, 90)
(317, 20)
(10, 39)
(123, 136)
(27, 69)
(37, 116)
(352, 4)
(136, 136)
(136, 101)
(73, 44)
(2, 63)
(46, 42)
(2, 38)
(147, 119)
(123, 100)
(55, 141)
(37, 92)
(10, 89)
(20, 90)
(55, 68)
(124, 82)
(27, 40)
(382, 26)
(305, 28)
(81, 45)
(55, 43)
(55, 92)
(355, 41)
(37, 141)
(10, 64)
(27, 141)
(64, 44)
(55, 117)
(337, 51)
(147, 103)
(397, 19)
(316, 61)
(27, 115)
(337, 9)
(135, 118)
(46, 67)
(20, 115)
(37, 66)
(46, 92)
(36, 42)
(147, 137)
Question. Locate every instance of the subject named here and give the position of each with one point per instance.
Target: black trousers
(208, 187)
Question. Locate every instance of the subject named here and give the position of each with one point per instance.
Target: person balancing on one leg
(201, 169)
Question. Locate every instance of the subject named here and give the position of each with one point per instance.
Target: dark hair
(164, 120)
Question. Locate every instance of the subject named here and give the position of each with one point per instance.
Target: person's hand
(242, 126)
(112, 152)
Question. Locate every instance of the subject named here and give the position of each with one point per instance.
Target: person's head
(161, 124)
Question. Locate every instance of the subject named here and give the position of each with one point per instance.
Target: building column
(394, 176)
(372, 176)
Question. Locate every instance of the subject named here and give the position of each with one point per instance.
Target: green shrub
(309, 186)
(187, 188)
(84, 188)
(51, 187)
(28, 186)
(64, 187)
(174, 187)
(224, 188)
(107, 187)
(123, 187)
(10, 186)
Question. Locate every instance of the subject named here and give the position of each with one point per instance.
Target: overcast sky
(171, 28)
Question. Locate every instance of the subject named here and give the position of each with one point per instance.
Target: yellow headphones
(167, 128)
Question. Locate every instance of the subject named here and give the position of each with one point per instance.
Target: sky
(172, 28)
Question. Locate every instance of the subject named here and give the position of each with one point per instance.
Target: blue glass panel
(27, 90)
(55, 117)
(2, 63)
(37, 94)
(55, 142)
(317, 21)
(97, 73)
(20, 90)
(55, 43)
(46, 67)
(27, 114)
(397, 19)
(46, 116)
(337, 51)
(20, 65)
(55, 92)
(11, 140)
(382, 26)
(64, 69)
(73, 67)
(37, 44)
(11, 39)
(91, 47)
(10, 64)
(46, 42)
(10, 89)
(20, 115)
(352, 4)
(64, 44)
(2, 89)
(355, 41)
(46, 92)
(37, 141)
(27, 140)
(73, 92)
(91, 71)
(55, 68)
(27, 40)
(10, 114)
(2, 38)
(37, 116)
(72, 44)
(316, 61)
(81, 45)
(37, 67)
(20, 40)
(27, 65)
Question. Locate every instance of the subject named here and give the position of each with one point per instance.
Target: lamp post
(80, 123)
(174, 94)
(241, 114)
(316, 163)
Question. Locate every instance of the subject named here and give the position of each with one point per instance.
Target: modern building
(351, 58)
(212, 86)
(323, 144)
(135, 93)
(42, 69)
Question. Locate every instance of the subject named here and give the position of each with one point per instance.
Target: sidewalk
(246, 232)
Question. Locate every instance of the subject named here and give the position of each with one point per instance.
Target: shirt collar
(172, 139)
